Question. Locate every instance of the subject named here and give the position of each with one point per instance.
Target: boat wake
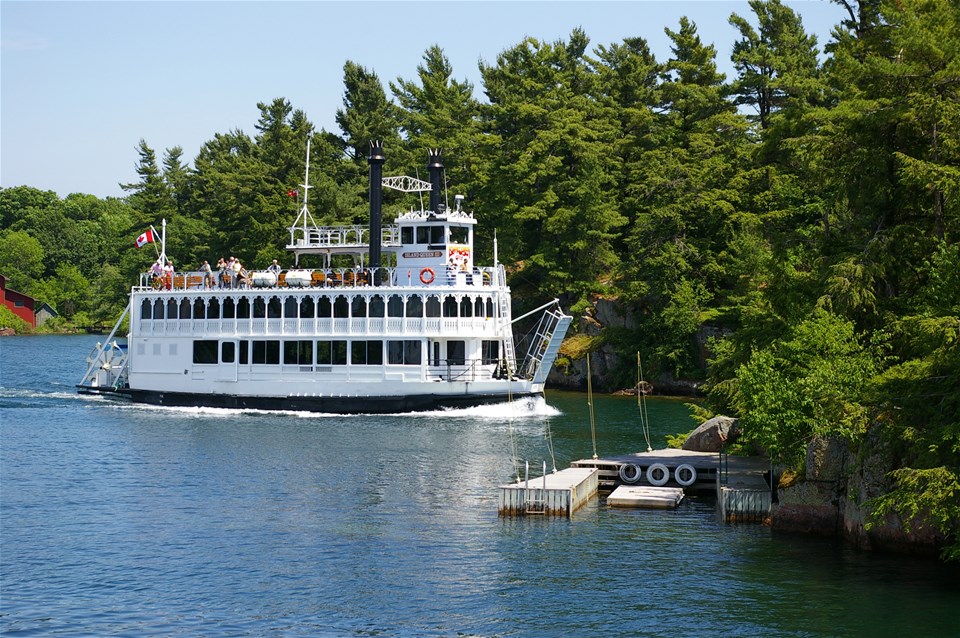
(528, 407)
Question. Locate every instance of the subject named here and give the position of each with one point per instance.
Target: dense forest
(806, 210)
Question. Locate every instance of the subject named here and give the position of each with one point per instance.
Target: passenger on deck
(207, 273)
(274, 268)
(221, 270)
(168, 273)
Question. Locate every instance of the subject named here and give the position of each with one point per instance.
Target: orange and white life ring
(427, 276)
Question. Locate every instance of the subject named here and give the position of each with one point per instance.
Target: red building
(22, 305)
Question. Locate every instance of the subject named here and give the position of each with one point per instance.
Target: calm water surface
(121, 520)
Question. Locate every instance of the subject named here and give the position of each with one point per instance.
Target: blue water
(123, 520)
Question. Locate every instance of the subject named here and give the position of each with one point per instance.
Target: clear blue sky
(82, 82)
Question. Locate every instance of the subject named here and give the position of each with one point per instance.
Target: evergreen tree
(553, 192)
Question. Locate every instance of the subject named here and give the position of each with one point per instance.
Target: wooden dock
(662, 498)
(558, 494)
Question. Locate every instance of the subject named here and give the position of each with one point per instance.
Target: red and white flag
(145, 238)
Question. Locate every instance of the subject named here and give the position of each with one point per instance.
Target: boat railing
(463, 370)
(332, 237)
(389, 277)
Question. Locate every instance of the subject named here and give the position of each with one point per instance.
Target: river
(125, 520)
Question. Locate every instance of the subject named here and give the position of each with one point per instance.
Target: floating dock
(741, 484)
(697, 470)
(663, 498)
(743, 493)
(558, 494)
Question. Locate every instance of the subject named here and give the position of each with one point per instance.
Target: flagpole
(163, 241)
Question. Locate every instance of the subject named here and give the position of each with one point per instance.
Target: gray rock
(712, 435)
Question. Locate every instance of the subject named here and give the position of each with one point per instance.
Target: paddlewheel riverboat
(430, 329)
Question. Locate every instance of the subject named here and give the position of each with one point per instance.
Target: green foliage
(811, 383)
(10, 320)
(924, 498)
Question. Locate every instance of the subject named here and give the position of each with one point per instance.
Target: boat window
(478, 307)
(213, 308)
(376, 306)
(458, 235)
(406, 353)
(395, 306)
(423, 235)
(466, 308)
(199, 309)
(171, 309)
(259, 308)
(324, 308)
(244, 352)
(243, 308)
(185, 308)
(332, 353)
(414, 306)
(456, 353)
(437, 234)
(340, 308)
(229, 308)
(433, 306)
(228, 352)
(449, 307)
(358, 307)
(406, 235)
(366, 353)
(146, 309)
(205, 352)
(158, 309)
(267, 352)
(489, 308)
(290, 307)
(307, 308)
(298, 352)
(490, 351)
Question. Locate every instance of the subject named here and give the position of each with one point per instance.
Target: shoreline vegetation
(783, 242)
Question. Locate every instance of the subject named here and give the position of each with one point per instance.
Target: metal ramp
(106, 365)
(545, 344)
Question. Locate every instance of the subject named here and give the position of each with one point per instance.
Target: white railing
(390, 278)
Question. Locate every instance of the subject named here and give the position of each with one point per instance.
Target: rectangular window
(298, 352)
(406, 353)
(205, 352)
(266, 352)
(228, 352)
(366, 353)
(456, 352)
(332, 353)
(244, 352)
(406, 235)
(490, 351)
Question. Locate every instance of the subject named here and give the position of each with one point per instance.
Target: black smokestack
(376, 160)
(435, 166)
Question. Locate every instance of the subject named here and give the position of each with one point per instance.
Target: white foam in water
(527, 407)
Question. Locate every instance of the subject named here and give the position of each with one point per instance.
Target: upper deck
(445, 278)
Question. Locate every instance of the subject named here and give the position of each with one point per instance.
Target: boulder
(712, 435)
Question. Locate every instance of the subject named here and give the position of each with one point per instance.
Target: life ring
(427, 276)
(682, 470)
(658, 474)
(630, 473)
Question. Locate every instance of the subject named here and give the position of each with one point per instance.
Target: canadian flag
(145, 238)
